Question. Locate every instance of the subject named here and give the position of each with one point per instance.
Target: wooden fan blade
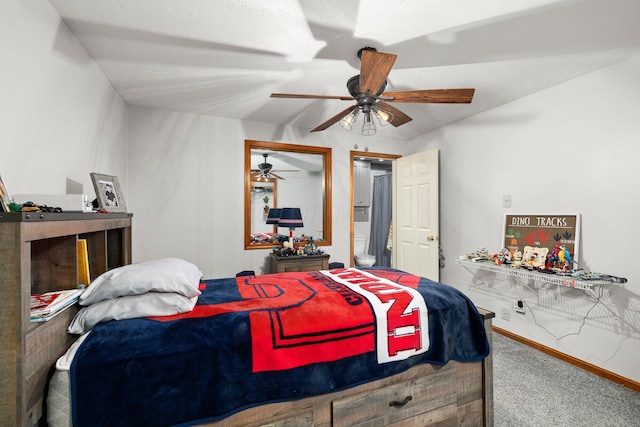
(276, 176)
(399, 118)
(374, 69)
(443, 96)
(301, 96)
(332, 120)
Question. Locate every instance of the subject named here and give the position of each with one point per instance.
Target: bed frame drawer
(303, 419)
(429, 400)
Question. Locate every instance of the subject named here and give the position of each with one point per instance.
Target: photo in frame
(108, 192)
(5, 199)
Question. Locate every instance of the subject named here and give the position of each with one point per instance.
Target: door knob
(431, 238)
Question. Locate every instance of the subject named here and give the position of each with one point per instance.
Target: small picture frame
(5, 198)
(108, 192)
(534, 257)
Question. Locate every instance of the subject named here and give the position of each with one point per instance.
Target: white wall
(186, 187)
(573, 148)
(60, 117)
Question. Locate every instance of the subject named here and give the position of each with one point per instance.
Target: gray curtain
(380, 220)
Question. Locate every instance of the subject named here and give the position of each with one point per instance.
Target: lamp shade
(291, 218)
(274, 215)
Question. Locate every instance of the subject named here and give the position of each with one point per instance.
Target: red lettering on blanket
(399, 316)
(400, 312)
(398, 319)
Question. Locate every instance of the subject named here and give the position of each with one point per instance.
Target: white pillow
(160, 275)
(129, 307)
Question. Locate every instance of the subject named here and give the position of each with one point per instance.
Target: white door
(415, 215)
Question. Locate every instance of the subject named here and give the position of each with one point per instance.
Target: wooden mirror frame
(294, 148)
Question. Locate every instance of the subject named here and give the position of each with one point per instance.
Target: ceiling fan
(265, 172)
(367, 89)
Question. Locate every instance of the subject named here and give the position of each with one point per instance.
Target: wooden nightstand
(299, 263)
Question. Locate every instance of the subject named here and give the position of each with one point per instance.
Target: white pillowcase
(129, 307)
(160, 275)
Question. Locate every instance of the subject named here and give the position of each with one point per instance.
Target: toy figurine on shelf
(516, 259)
(480, 255)
(583, 275)
(517, 255)
(559, 259)
(502, 257)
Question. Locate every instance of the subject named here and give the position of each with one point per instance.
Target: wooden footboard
(457, 394)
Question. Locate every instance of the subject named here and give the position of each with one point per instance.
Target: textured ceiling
(225, 57)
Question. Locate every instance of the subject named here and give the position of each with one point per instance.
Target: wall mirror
(279, 175)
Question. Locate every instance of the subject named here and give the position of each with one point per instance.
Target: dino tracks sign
(544, 231)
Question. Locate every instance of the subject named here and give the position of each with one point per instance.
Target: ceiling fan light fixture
(384, 116)
(347, 121)
(368, 127)
(368, 90)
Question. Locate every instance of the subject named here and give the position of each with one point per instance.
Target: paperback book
(84, 278)
(46, 306)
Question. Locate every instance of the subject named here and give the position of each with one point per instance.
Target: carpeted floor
(532, 388)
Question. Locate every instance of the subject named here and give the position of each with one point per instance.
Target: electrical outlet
(518, 306)
(505, 313)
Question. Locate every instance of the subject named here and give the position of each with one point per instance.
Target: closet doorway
(361, 213)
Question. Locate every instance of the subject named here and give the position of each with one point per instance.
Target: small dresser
(280, 264)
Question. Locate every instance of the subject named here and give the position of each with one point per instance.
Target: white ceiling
(225, 57)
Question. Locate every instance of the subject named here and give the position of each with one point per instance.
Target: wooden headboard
(39, 253)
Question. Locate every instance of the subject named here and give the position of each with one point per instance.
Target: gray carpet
(532, 388)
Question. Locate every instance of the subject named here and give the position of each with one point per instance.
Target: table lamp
(292, 218)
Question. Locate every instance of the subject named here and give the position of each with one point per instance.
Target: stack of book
(48, 305)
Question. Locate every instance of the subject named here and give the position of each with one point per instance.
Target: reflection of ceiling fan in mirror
(265, 172)
(367, 89)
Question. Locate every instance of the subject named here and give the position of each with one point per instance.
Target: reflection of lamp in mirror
(292, 218)
(274, 216)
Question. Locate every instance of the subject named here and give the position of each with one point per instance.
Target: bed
(323, 348)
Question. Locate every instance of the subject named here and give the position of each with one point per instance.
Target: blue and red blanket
(254, 340)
